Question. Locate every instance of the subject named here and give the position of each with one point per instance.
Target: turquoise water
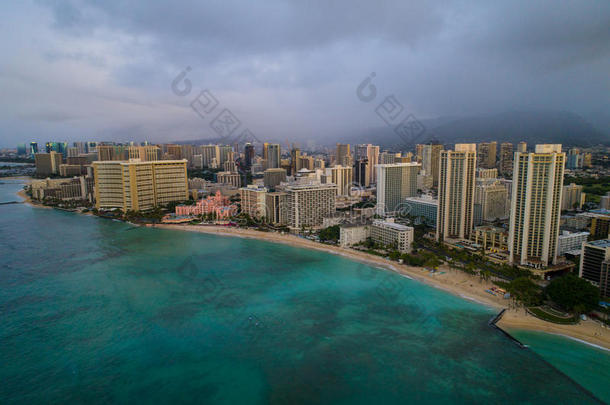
(587, 365)
(96, 311)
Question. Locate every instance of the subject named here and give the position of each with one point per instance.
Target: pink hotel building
(216, 204)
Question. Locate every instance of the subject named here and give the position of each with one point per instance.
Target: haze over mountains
(515, 126)
(533, 127)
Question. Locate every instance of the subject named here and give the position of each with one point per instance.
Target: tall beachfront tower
(395, 182)
(536, 206)
(456, 192)
(139, 186)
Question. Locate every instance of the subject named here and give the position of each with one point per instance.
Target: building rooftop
(310, 185)
(406, 164)
(392, 225)
(355, 224)
(138, 162)
(567, 234)
(427, 200)
(602, 243)
(601, 211)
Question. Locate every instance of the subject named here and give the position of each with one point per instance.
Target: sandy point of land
(28, 200)
(453, 281)
(587, 331)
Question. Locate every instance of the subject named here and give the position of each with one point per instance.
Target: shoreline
(587, 332)
(452, 281)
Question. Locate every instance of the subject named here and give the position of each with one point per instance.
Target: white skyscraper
(456, 192)
(536, 206)
(395, 182)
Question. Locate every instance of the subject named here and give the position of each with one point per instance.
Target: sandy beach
(453, 281)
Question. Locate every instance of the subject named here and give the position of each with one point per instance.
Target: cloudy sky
(289, 70)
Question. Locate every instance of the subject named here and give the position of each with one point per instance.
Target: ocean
(99, 311)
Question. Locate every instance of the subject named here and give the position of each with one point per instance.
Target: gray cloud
(289, 69)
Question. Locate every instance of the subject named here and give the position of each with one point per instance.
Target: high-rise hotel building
(430, 158)
(456, 192)
(146, 153)
(486, 153)
(506, 158)
(47, 163)
(395, 182)
(342, 177)
(271, 153)
(536, 206)
(308, 204)
(137, 186)
(344, 156)
(210, 155)
(371, 154)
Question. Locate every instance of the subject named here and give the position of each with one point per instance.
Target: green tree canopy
(573, 293)
(526, 291)
(332, 233)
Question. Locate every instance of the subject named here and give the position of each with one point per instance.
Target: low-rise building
(423, 209)
(595, 264)
(389, 233)
(218, 205)
(77, 188)
(492, 238)
(254, 201)
(231, 178)
(352, 234)
(577, 222)
(568, 241)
